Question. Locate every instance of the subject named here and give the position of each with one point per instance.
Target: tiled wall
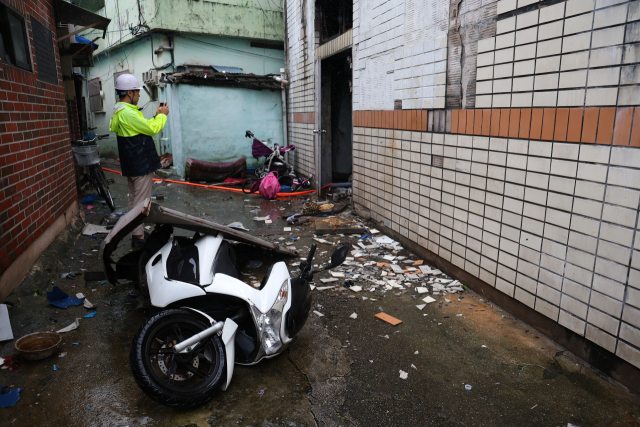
(301, 42)
(551, 224)
(571, 53)
(399, 53)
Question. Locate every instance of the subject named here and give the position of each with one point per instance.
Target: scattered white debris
(237, 225)
(459, 315)
(354, 316)
(317, 313)
(71, 327)
(286, 229)
(336, 274)
(403, 375)
(422, 290)
(447, 300)
(321, 240)
(414, 366)
(322, 288)
(91, 229)
(87, 304)
(428, 300)
(356, 288)
(421, 306)
(260, 218)
(534, 406)
(329, 280)
(467, 387)
(416, 352)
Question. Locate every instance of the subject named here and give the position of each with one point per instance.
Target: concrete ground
(339, 371)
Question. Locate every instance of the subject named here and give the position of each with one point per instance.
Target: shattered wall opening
(333, 18)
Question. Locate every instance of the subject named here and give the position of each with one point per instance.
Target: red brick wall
(37, 181)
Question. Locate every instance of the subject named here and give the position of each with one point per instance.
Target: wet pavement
(338, 372)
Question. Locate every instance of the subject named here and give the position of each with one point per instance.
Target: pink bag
(270, 187)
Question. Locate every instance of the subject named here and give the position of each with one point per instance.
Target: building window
(14, 46)
(45, 56)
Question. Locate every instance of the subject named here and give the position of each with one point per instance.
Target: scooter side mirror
(339, 256)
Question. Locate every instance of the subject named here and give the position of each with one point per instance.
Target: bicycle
(86, 154)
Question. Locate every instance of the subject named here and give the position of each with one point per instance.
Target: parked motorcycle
(186, 353)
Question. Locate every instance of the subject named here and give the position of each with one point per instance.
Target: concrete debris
(317, 313)
(71, 327)
(91, 229)
(403, 375)
(87, 304)
(428, 300)
(237, 225)
(421, 306)
(354, 316)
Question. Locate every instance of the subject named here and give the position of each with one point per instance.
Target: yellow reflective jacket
(138, 155)
(128, 120)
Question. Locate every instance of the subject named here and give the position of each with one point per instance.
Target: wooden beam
(78, 31)
(84, 47)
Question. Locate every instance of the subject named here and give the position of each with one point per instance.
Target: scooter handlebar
(312, 252)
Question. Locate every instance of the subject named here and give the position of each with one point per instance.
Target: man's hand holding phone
(162, 108)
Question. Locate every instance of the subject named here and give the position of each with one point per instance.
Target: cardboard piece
(389, 319)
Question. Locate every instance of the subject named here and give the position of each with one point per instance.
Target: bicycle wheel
(103, 186)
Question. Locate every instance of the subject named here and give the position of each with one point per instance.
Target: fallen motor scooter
(184, 354)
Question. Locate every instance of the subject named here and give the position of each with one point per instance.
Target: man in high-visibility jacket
(138, 155)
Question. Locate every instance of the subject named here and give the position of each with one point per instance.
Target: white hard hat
(127, 82)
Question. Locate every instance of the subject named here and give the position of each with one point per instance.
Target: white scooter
(184, 354)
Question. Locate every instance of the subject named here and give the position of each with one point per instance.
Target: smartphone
(163, 104)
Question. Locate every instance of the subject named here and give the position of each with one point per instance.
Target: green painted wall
(214, 121)
(253, 19)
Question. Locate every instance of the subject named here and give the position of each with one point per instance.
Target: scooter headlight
(270, 322)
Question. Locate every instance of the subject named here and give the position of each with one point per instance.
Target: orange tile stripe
(396, 119)
(618, 126)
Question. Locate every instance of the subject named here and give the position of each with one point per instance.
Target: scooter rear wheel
(184, 380)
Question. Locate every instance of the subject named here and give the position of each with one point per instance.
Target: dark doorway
(336, 158)
(333, 18)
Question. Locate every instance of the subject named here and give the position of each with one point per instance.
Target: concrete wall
(214, 121)
(257, 19)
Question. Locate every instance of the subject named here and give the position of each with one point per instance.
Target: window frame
(5, 11)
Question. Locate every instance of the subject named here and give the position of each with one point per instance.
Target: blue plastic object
(285, 189)
(62, 299)
(10, 398)
(93, 313)
(89, 199)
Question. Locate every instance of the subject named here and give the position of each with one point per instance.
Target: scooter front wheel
(183, 380)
